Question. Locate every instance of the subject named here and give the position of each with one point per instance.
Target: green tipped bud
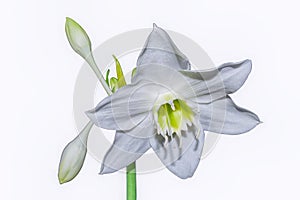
(73, 156)
(78, 38)
(81, 44)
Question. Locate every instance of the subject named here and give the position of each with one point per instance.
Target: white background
(39, 69)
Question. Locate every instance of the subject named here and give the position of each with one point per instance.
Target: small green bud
(78, 38)
(114, 84)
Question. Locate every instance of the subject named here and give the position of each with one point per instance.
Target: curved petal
(125, 150)
(126, 108)
(187, 164)
(210, 85)
(160, 49)
(180, 161)
(139, 130)
(223, 116)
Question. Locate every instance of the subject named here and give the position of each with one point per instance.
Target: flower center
(172, 115)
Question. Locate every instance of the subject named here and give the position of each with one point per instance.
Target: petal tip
(248, 64)
(61, 181)
(185, 176)
(106, 170)
(100, 173)
(154, 26)
(68, 19)
(101, 170)
(259, 122)
(248, 61)
(255, 124)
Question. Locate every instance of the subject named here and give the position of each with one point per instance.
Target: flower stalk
(131, 181)
(81, 44)
(69, 166)
(90, 60)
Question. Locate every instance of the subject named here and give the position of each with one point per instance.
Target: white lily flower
(167, 107)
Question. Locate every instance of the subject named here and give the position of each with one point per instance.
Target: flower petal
(160, 49)
(180, 161)
(209, 85)
(234, 75)
(125, 150)
(223, 116)
(187, 164)
(139, 130)
(171, 80)
(126, 108)
(73, 156)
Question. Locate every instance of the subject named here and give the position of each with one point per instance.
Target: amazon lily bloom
(168, 107)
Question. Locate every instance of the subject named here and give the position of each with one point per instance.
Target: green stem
(90, 60)
(131, 181)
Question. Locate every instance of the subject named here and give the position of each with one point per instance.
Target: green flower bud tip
(78, 38)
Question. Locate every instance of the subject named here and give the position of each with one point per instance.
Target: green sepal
(120, 75)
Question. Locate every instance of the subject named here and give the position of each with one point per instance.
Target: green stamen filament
(173, 117)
